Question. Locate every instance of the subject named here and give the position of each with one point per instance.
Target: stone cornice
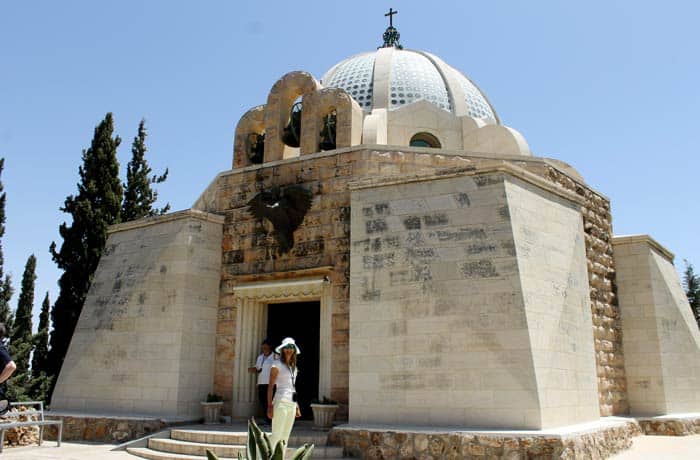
(486, 168)
(280, 290)
(156, 220)
(642, 238)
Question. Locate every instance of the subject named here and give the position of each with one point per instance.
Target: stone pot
(324, 414)
(212, 411)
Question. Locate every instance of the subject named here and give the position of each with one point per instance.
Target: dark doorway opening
(301, 321)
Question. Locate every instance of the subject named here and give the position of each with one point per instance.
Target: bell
(256, 152)
(328, 132)
(291, 133)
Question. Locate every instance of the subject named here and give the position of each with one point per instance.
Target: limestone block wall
(660, 335)
(249, 251)
(607, 328)
(143, 341)
(468, 303)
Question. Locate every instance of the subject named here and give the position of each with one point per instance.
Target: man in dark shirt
(7, 366)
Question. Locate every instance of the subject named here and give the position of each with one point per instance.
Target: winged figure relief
(285, 208)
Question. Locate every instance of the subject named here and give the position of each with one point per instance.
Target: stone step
(240, 438)
(144, 452)
(177, 446)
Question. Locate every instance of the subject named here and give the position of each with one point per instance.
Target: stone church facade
(443, 275)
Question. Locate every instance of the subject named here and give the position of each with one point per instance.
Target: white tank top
(285, 382)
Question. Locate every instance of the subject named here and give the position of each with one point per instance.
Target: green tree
(96, 206)
(21, 339)
(5, 281)
(41, 382)
(40, 358)
(139, 197)
(691, 283)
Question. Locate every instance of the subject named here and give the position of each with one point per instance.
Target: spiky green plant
(258, 447)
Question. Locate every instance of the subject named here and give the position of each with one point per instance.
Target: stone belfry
(418, 243)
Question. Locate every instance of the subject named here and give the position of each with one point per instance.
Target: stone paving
(643, 448)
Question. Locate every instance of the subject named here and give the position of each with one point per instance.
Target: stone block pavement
(644, 447)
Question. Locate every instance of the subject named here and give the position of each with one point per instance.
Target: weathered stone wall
(660, 333)
(436, 445)
(322, 240)
(475, 283)
(103, 429)
(607, 328)
(249, 250)
(143, 342)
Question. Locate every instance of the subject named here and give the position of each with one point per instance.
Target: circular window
(424, 140)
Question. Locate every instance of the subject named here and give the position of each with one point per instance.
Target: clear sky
(611, 87)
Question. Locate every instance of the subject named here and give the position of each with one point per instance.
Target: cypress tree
(40, 381)
(691, 283)
(96, 206)
(5, 281)
(40, 358)
(139, 197)
(21, 340)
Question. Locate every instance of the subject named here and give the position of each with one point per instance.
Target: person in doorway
(7, 366)
(262, 367)
(283, 409)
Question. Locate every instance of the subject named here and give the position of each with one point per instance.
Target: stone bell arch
(251, 124)
(348, 119)
(277, 110)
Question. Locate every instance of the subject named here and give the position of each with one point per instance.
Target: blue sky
(611, 87)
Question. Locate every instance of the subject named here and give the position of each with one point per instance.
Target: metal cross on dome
(391, 14)
(391, 35)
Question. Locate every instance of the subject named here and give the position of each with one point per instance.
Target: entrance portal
(301, 321)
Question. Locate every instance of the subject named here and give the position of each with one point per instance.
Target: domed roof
(391, 78)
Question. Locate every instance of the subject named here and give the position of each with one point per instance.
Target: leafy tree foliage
(21, 339)
(139, 197)
(5, 282)
(691, 283)
(40, 358)
(96, 206)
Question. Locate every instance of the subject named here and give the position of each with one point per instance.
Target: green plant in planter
(213, 397)
(258, 447)
(325, 400)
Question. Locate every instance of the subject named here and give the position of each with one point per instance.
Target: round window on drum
(425, 140)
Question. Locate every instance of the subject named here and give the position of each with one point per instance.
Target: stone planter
(212, 411)
(324, 414)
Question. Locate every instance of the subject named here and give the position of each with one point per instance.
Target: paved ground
(662, 448)
(644, 448)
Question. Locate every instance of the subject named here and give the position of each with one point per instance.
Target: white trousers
(283, 415)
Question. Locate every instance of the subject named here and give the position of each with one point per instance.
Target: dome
(391, 78)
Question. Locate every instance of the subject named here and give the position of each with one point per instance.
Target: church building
(431, 267)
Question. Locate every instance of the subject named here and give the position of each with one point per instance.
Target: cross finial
(391, 35)
(391, 14)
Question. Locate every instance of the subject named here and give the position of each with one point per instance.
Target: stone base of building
(108, 428)
(670, 425)
(596, 440)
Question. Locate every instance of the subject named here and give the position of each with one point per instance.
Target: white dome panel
(355, 76)
(413, 77)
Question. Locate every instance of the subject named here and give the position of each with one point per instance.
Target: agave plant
(258, 447)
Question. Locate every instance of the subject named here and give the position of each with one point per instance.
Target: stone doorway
(253, 303)
(300, 320)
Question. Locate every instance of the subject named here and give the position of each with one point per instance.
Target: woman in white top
(284, 408)
(262, 367)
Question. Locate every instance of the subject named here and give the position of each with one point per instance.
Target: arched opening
(291, 135)
(256, 148)
(424, 140)
(328, 133)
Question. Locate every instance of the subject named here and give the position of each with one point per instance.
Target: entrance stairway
(191, 443)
